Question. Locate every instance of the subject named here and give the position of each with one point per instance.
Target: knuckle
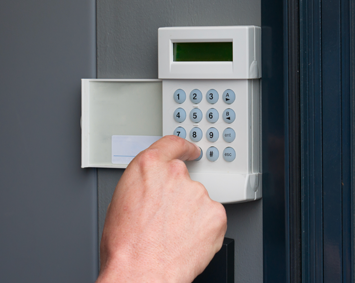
(180, 142)
(177, 167)
(220, 213)
(148, 157)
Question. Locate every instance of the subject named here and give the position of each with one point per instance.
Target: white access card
(125, 148)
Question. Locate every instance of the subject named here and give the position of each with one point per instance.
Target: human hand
(160, 226)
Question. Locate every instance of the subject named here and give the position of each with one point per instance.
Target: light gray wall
(48, 204)
(127, 48)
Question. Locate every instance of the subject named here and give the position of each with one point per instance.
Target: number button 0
(196, 115)
(212, 96)
(212, 115)
(212, 154)
(196, 96)
(228, 96)
(196, 134)
(180, 132)
(179, 96)
(179, 115)
(201, 154)
(212, 134)
(228, 116)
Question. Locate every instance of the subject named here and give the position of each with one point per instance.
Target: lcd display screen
(203, 51)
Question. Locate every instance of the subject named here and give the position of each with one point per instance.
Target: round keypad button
(229, 135)
(212, 134)
(228, 96)
(196, 115)
(179, 96)
(228, 116)
(212, 154)
(212, 115)
(212, 96)
(179, 115)
(196, 96)
(180, 132)
(196, 134)
(199, 158)
(229, 154)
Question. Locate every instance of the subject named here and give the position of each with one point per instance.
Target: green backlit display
(203, 51)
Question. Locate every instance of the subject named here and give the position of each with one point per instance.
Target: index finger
(173, 147)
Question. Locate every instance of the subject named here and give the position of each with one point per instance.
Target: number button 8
(196, 134)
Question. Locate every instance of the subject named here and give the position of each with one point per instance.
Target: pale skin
(160, 226)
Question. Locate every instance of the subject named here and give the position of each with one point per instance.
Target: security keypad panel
(211, 97)
(208, 93)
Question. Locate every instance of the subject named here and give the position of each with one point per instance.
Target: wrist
(125, 270)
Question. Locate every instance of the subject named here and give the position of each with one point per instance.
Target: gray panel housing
(127, 34)
(48, 204)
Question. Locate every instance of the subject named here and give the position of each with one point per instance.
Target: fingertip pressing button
(228, 116)
(228, 154)
(212, 154)
(196, 115)
(179, 115)
(179, 96)
(201, 154)
(180, 132)
(196, 96)
(196, 134)
(212, 115)
(212, 96)
(228, 96)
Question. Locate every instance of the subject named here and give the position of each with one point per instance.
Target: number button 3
(212, 96)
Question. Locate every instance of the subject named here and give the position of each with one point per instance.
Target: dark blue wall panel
(48, 204)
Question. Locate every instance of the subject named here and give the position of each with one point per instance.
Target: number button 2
(196, 96)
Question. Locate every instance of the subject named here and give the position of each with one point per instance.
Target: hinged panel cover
(117, 108)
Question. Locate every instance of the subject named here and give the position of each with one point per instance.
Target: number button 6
(212, 115)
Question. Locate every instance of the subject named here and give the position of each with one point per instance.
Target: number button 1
(179, 115)
(196, 96)
(180, 132)
(179, 96)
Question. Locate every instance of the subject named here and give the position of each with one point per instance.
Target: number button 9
(212, 96)
(212, 115)
(196, 96)
(212, 134)
(179, 96)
